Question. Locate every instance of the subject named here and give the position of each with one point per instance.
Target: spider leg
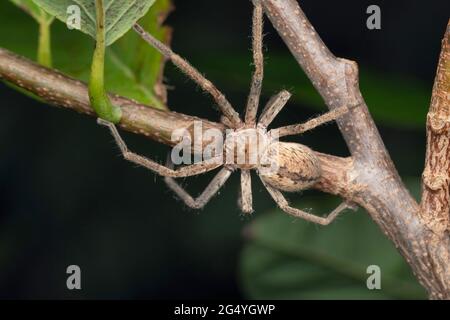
(284, 205)
(192, 73)
(258, 60)
(185, 171)
(311, 124)
(224, 120)
(245, 201)
(213, 187)
(272, 108)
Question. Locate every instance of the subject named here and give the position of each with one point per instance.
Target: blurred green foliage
(45, 20)
(289, 259)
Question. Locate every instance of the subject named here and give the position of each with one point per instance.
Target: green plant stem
(97, 95)
(44, 47)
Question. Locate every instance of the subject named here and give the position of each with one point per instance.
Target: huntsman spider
(298, 168)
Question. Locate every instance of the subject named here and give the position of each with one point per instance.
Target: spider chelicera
(298, 168)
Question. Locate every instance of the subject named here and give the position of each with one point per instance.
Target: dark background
(67, 197)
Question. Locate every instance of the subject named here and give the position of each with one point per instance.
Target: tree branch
(59, 90)
(373, 181)
(436, 180)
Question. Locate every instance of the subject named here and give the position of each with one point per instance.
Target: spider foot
(103, 122)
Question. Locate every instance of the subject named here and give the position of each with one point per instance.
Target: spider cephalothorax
(248, 145)
(244, 148)
(283, 165)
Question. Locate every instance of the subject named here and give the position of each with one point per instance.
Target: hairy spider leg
(194, 74)
(310, 124)
(186, 171)
(272, 108)
(213, 187)
(245, 198)
(258, 60)
(284, 205)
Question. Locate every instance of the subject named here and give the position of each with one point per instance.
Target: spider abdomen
(293, 167)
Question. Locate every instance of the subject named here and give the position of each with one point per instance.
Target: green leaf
(121, 15)
(34, 10)
(133, 69)
(141, 63)
(287, 258)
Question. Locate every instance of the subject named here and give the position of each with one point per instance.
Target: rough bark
(368, 177)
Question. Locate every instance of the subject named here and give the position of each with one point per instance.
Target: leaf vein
(132, 4)
(86, 11)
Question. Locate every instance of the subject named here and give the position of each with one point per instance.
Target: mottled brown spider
(298, 168)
